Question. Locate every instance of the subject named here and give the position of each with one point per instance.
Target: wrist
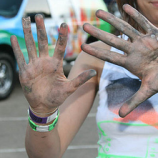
(39, 119)
(41, 112)
(43, 124)
(43, 128)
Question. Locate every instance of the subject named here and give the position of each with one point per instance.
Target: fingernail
(93, 72)
(98, 12)
(63, 25)
(39, 16)
(84, 26)
(124, 110)
(124, 6)
(82, 46)
(26, 22)
(13, 37)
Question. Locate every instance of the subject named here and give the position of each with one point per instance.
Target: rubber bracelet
(42, 120)
(43, 113)
(43, 128)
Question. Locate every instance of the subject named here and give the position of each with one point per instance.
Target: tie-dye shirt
(136, 135)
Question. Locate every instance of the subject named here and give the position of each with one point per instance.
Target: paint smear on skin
(122, 89)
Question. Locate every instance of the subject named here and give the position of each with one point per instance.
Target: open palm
(42, 79)
(141, 53)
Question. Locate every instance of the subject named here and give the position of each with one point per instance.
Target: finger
(140, 96)
(82, 78)
(30, 44)
(118, 24)
(42, 36)
(105, 55)
(106, 37)
(139, 18)
(18, 54)
(61, 43)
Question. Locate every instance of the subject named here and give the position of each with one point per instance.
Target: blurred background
(13, 105)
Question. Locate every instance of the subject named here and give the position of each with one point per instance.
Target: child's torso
(136, 135)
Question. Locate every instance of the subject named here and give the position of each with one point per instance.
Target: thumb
(140, 96)
(82, 78)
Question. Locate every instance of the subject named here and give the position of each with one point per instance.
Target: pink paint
(148, 117)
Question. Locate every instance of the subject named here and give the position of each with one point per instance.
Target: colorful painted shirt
(136, 135)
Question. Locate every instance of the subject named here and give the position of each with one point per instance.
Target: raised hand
(141, 53)
(42, 79)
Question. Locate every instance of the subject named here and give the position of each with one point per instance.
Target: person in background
(121, 69)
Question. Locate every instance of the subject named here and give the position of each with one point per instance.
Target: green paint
(124, 123)
(104, 149)
(27, 89)
(102, 131)
(147, 148)
(152, 155)
(107, 149)
(109, 144)
(100, 147)
(103, 155)
(156, 140)
(108, 139)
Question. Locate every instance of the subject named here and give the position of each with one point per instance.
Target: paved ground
(13, 120)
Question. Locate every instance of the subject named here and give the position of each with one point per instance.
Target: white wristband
(42, 120)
